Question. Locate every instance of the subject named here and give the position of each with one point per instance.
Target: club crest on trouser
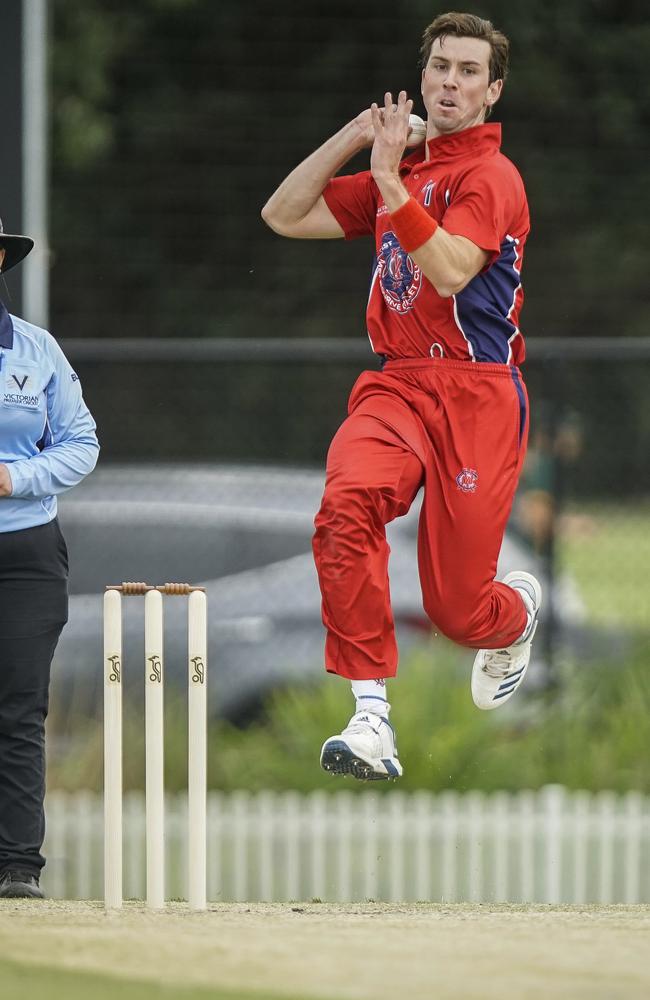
(400, 278)
(467, 480)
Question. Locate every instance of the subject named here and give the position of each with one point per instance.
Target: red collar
(480, 140)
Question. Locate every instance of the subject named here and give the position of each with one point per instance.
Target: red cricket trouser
(460, 429)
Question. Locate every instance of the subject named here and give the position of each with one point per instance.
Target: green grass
(606, 549)
(36, 982)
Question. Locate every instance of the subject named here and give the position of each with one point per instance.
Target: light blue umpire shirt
(47, 435)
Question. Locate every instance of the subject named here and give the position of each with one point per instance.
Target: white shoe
(497, 673)
(365, 749)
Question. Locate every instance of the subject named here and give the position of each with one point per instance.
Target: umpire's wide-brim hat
(16, 248)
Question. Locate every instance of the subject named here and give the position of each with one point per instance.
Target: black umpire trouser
(33, 611)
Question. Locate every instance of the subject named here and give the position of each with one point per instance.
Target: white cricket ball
(417, 130)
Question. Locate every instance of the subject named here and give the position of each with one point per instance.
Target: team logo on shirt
(400, 278)
(18, 390)
(467, 480)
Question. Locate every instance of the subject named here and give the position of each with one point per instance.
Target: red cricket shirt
(472, 190)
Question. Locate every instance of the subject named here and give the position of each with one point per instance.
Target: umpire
(47, 445)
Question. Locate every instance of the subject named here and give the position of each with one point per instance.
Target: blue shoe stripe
(504, 693)
(509, 687)
(390, 767)
(511, 679)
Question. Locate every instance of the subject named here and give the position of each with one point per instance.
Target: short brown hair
(469, 26)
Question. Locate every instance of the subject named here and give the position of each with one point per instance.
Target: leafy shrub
(592, 732)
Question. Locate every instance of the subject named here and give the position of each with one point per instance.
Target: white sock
(371, 697)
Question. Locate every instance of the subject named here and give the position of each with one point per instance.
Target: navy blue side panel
(484, 305)
(522, 402)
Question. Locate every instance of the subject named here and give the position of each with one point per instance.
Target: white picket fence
(550, 846)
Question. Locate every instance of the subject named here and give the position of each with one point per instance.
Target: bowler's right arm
(297, 208)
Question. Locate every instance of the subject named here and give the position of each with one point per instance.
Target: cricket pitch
(324, 951)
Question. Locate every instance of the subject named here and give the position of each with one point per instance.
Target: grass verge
(27, 982)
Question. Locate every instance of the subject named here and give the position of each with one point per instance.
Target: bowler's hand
(364, 124)
(6, 489)
(391, 127)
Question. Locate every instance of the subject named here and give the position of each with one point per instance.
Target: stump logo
(400, 278)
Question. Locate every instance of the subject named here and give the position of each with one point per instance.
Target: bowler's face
(455, 84)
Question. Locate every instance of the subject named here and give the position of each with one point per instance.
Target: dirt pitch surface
(343, 951)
